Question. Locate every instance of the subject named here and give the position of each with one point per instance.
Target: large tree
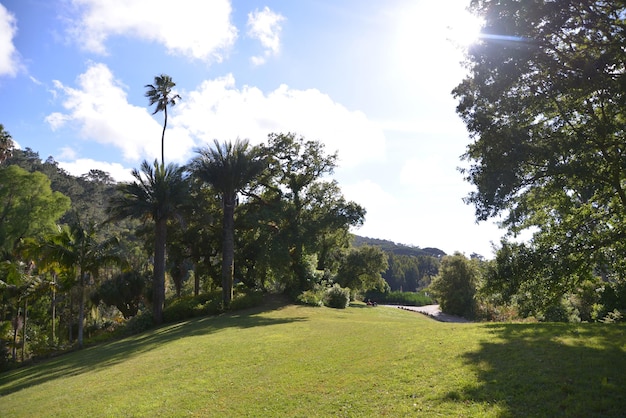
(229, 168)
(160, 93)
(309, 208)
(156, 195)
(545, 105)
(28, 207)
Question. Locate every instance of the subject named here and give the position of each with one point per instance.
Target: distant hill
(398, 249)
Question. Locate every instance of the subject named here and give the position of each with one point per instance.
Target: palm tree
(156, 195)
(229, 168)
(77, 249)
(6, 144)
(160, 93)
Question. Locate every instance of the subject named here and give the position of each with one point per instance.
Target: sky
(372, 80)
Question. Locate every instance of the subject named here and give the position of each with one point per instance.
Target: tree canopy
(545, 105)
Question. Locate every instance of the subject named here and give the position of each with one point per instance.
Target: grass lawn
(298, 361)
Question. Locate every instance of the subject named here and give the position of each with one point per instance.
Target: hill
(305, 361)
(398, 249)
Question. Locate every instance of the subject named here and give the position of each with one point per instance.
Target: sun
(429, 42)
(463, 29)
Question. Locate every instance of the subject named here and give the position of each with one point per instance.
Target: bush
(139, 323)
(188, 307)
(455, 286)
(399, 298)
(337, 297)
(311, 298)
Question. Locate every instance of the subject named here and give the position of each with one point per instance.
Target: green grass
(298, 361)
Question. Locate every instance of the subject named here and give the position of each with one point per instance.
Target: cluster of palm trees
(292, 225)
(159, 191)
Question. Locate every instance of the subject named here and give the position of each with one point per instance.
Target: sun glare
(432, 35)
(463, 29)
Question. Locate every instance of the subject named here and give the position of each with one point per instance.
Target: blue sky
(370, 79)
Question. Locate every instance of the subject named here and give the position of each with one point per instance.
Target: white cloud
(219, 110)
(98, 108)
(67, 153)
(9, 61)
(193, 28)
(83, 165)
(265, 26)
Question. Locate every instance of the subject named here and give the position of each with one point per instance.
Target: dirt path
(433, 311)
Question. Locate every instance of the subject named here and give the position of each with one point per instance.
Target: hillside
(301, 361)
(398, 249)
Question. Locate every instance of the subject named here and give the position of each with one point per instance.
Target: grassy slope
(301, 362)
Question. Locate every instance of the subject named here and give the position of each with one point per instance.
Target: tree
(28, 207)
(308, 208)
(77, 249)
(545, 105)
(455, 286)
(6, 144)
(160, 93)
(156, 195)
(361, 269)
(229, 168)
(123, 291)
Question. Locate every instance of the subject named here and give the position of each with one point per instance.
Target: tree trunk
(228, 249)
(158, 283)
(196, 281)
(70, 318)
(81, 311)
(24, 329)
(163, 137)
(54, 309)
(16, 326)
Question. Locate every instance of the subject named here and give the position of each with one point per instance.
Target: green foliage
(455, 286)
(246, 299)
(28, 206)
(313, 297)
(123, 291)
(361, 269)
(139, 323)
(337, 297)
(228, 168)
(157, 194)
(187, 307)
(399, 298)
(612, 317)
(544, 105)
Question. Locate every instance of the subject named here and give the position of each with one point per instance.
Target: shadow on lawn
(108, 354)
(550, 370)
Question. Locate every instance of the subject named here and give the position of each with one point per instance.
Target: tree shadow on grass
(111, 353)
(574, 370)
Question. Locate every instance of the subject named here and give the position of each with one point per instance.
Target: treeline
(80, 255)
(410, 269)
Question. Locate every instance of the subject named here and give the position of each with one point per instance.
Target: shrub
(455, 285)
(337, 297)
(311, 298)
(187, 307)
(399, 298)
(139, 323)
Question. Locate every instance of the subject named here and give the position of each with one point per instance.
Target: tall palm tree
(228, 168)
(6, 144)
(156, 195)
(77, 249)
(160, 93)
